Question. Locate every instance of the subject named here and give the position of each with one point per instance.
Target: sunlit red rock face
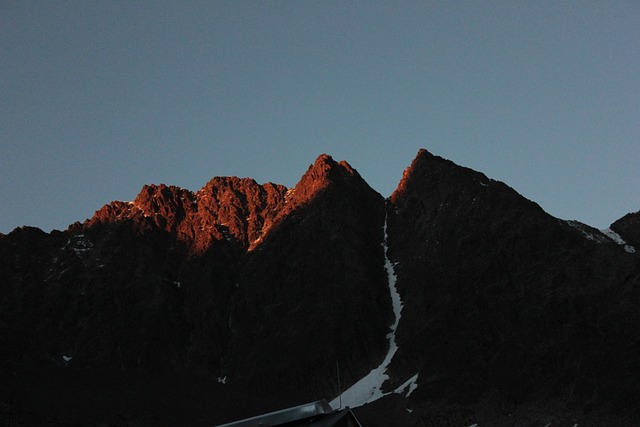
(509, 315)
(225, 208)
(236, 209)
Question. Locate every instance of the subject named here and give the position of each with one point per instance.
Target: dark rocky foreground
(185, 308)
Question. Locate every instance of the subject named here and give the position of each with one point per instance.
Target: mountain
(504, 304)
(197, 308)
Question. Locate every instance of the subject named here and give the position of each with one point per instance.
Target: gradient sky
(99, 98)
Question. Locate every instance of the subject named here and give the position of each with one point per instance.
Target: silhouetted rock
(501, 299)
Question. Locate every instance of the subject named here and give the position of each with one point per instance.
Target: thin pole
(10, 409)
(339, 386)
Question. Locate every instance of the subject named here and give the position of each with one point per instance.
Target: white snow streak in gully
(368, 388)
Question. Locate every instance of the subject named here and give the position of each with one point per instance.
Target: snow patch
(618, 239)
(369, 388)
(589, 232)
(66, 360)
(410, 384)
(601, 236)
(80, 244)
(583, 228)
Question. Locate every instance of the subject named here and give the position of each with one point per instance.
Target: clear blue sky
(100, 98)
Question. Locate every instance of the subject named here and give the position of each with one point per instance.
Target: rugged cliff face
(235, 209)
(247, 290)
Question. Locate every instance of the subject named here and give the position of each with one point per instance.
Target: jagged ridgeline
(455, 301)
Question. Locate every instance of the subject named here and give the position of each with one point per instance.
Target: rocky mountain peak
(241, 207)
(418, 166)
(153, 197)
(324, 172)
(430, 171)
(628, 227)
(167, 205)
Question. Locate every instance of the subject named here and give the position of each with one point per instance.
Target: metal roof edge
(300, 412)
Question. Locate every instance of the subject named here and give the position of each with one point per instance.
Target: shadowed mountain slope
(502, 300)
